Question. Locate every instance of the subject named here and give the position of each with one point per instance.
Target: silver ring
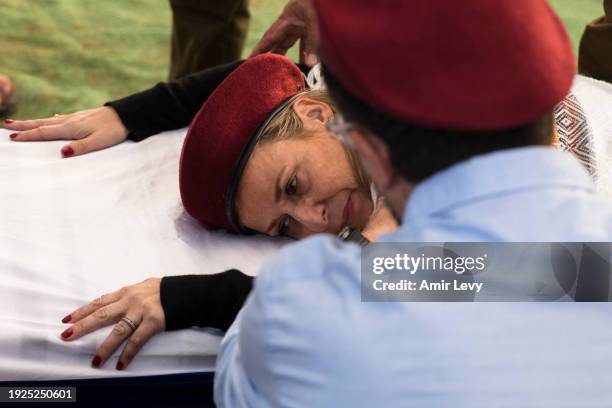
(130, 323)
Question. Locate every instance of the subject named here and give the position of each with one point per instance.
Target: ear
(313, 113)
(376, 158)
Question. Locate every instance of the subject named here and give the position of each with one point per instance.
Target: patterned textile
(573, 133)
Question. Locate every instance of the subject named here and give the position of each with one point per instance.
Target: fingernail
(96, 361)
(8, 120)
(67, 151)
(13, 135)
(311, 60)
(119, 365)
(67, 333)
(67, 319)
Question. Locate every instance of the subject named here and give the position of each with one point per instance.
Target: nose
(312, 216)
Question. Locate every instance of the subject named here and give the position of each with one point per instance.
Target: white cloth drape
(73, 229)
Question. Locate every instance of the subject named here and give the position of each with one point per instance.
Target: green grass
(576, 14)
(68, 55)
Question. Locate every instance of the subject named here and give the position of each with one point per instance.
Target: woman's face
(301, 186)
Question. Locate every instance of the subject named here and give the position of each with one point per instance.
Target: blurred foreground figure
(595, 55)
(206, 33)
(8, 97)
(458, 143)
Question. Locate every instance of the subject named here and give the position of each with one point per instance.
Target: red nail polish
(96, 361)
(67, 319)
(67, 333)
(13, 135)
(8, 120)
(119, 365)
(67, 151)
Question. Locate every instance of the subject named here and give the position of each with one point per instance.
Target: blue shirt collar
(493, 174)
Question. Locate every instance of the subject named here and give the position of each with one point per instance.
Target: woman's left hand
(298, 21)
(139, 303)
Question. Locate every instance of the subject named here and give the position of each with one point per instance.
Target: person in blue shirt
(455, 134)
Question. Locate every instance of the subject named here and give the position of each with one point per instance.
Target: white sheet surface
(73, 229)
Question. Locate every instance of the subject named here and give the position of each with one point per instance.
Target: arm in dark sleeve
(169, 105)
(204, 300)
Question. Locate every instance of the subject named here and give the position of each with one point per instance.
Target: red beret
(224, 132)
(459, 65)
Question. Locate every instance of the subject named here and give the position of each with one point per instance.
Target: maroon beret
(459, 65)
(224, 132)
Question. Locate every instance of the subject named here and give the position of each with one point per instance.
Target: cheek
(332, 170)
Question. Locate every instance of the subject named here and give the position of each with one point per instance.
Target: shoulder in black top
(170, 105)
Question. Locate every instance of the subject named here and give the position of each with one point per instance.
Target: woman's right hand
(90, 130)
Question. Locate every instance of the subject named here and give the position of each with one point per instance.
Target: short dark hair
(418, 152)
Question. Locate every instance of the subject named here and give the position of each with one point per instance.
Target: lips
(347, 214)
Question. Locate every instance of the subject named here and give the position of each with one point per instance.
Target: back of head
(451, 78)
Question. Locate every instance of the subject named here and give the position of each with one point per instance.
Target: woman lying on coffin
(258, 157)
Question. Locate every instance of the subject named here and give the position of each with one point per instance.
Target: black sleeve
(169, 105)
(204, 300)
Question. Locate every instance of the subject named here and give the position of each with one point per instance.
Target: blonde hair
(287, 124)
